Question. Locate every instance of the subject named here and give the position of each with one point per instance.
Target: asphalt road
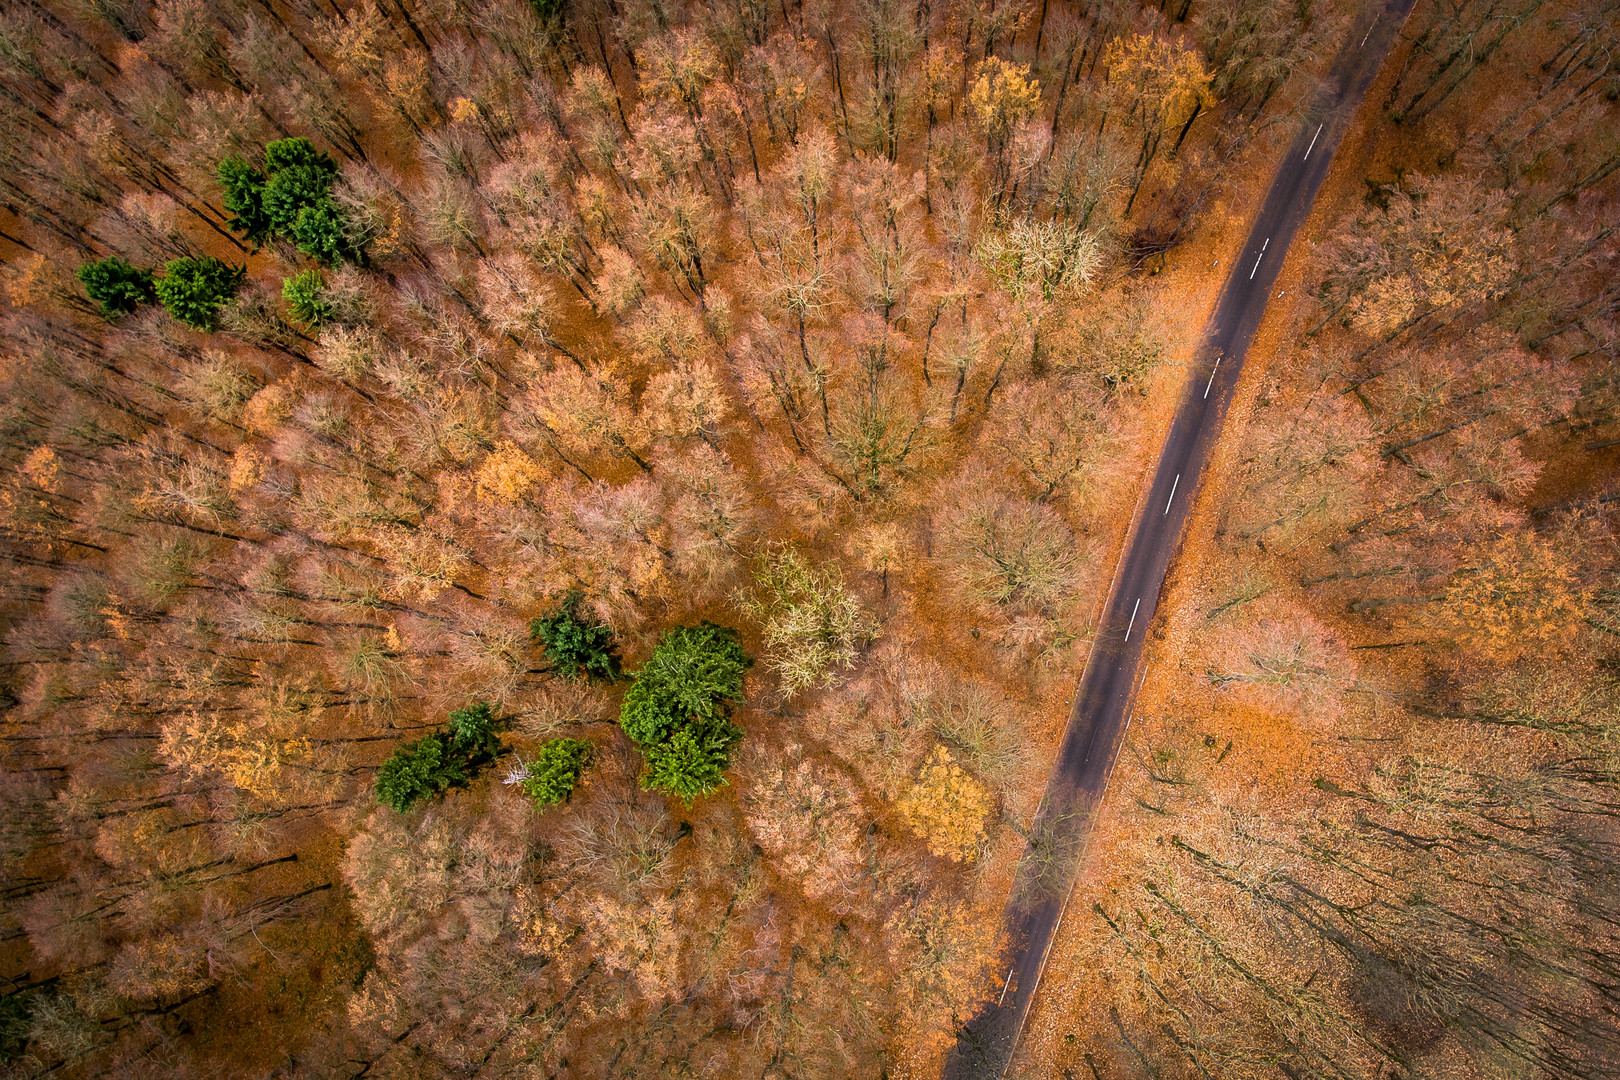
(1097, 723)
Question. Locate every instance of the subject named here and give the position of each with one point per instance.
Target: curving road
(1085, 758)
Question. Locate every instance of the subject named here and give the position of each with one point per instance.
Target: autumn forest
(557, 538)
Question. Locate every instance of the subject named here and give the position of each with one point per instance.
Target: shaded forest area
(1366, 826)
(551, 540)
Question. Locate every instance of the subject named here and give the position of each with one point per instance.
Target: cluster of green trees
(453, 755)
(679, 710)
(290, 198)
(191, 288)
(448, 757)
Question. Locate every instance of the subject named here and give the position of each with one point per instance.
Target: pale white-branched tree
(812, 625)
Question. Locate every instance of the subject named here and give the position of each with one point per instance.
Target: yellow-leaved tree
(1154, 85)
(946, 806)
(1002, 95)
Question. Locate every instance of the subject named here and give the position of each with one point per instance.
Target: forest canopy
(556, 538)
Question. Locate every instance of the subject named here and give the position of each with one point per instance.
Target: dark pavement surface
(1090, 742)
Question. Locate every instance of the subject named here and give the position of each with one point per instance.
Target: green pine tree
(321, 232)
(693, 676)
(551, 777)
(192, 289)
(417, 770)
(679, 709)
(446, 758)
(244, 199)
(575, 647)
(692, 761)
(116, 286)
(305, 293)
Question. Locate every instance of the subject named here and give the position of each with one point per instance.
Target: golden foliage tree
(947, 807)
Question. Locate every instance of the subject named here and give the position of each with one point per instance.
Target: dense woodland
(536, 534)
(1368, 827)
(553, 539)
